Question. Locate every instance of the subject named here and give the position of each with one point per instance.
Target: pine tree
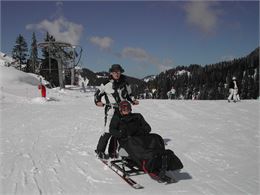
(33, 64)
(49, 66)
(20, 50)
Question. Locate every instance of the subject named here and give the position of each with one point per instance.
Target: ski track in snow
(47, 147)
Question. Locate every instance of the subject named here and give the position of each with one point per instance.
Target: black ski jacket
(133, 124)
(232, 85)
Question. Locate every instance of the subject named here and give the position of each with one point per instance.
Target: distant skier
(233, 90)
(114, 91)
(171, 93)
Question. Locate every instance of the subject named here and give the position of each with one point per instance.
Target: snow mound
(12, 76)
(17, 86)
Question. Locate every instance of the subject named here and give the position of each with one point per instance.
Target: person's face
(116, 74)
(125, 111)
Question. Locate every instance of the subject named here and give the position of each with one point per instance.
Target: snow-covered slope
(149, 78)
(17, 86)
(48, 147)
(5, 59)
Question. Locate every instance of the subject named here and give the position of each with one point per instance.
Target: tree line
(210, 82)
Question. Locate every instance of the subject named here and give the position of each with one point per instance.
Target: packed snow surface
(47, 145)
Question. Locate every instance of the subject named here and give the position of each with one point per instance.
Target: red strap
(143, 166)
(145, 170)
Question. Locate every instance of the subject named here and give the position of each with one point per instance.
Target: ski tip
(137, 186)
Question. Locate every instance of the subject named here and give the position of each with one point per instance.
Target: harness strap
(143, 166)
(146, 171)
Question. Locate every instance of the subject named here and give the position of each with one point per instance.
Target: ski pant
(103, 141)
(109, 113)
(106, 136)
(233, 94)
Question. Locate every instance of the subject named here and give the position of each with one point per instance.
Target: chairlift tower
(61, 52)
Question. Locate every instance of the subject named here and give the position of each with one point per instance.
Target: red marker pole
(43, 90)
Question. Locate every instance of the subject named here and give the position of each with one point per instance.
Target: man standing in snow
(171, 93)
(115, 90)
(233, 90)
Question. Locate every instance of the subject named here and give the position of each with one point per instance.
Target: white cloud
(59, 3)
(163, 67)
(61, 29)
(227, 58)
(136, 54)
(142, 56)
(202, 15)
(102, 42)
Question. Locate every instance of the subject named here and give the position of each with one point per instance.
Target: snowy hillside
(149, 78)
(5, 60)
(181, 72)
(47, 147)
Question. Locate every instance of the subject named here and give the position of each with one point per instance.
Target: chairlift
(65, 54)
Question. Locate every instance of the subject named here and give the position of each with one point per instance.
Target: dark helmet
(115, 67)
(125, 105)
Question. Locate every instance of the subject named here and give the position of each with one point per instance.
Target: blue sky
(146, 37)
